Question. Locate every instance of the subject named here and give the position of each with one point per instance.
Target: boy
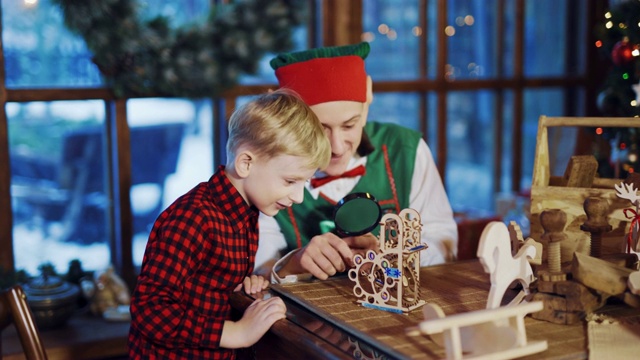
(203, 246)
(391, 162)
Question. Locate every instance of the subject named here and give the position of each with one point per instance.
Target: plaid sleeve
(168, 282)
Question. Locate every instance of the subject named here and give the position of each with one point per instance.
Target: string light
(392, 35)
(368, 36)
(449, 30)
(469, 20)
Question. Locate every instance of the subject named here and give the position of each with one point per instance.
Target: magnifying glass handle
(327, 226)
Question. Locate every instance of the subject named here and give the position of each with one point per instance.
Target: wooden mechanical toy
(390, 279)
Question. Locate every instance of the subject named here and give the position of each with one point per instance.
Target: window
(472, 76)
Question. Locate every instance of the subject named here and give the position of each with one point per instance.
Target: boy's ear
(243, 163)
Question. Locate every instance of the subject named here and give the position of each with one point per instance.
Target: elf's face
(343, 122)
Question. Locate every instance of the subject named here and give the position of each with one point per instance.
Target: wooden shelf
(83, 337)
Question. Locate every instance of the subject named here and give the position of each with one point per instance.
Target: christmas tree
(618, 39)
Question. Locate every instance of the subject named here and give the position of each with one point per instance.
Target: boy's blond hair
(279, 123)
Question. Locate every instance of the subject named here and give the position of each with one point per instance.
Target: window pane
(39, 51)
(392, 29)
(471, 30)
(508, 35)
(265, 74)
(470, 161)
(171, 152)
(397, 108)
(548, 45)
(547, 102)
(432, 124)
(58, 188)
(507, 158)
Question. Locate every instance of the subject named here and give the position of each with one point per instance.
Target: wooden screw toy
(596, 224)
(553, 222)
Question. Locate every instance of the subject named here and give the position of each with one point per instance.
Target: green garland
(150, 59)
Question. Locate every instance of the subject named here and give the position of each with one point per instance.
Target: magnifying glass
(356, 214)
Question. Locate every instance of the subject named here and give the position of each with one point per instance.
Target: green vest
(387, 178)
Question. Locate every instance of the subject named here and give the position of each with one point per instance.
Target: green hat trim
(362, 49)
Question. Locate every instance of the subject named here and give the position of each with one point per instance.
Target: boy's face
(277, 183)
(343, 122)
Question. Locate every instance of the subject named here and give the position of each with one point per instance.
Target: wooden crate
(547, 192)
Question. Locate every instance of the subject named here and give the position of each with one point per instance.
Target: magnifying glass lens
(357, 214)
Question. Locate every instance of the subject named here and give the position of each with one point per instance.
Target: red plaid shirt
(201, 247)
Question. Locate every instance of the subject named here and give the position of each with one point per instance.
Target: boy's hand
(327, 254)
(361, 244)
(253, 284)
(324, 256)
(255, 322)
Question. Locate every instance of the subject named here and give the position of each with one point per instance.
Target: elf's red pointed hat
(325, 74)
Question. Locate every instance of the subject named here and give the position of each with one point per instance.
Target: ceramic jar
(52, 300)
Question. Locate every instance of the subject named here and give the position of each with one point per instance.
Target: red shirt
(200, 248)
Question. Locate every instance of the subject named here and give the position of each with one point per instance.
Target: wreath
(149, 58)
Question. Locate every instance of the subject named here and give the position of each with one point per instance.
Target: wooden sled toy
(490, 334)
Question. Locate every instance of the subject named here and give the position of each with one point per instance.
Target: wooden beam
(341, 22)
(120, 162)
(6, 220)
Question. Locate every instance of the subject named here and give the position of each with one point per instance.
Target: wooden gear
(390, 279)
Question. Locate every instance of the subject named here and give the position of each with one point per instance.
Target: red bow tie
(356, 171)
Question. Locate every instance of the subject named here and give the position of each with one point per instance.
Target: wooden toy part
(626, 190)
(634, 282)
(553, 222)
(599, 274)
(517, 242)
(596, 223)
(484, 334)
(494, 252)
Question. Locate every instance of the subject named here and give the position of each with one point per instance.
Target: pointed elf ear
(244, 161)
(369, 90)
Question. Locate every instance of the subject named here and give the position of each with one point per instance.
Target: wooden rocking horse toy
(494, 252)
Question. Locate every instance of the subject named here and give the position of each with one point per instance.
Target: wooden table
(324, 320)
